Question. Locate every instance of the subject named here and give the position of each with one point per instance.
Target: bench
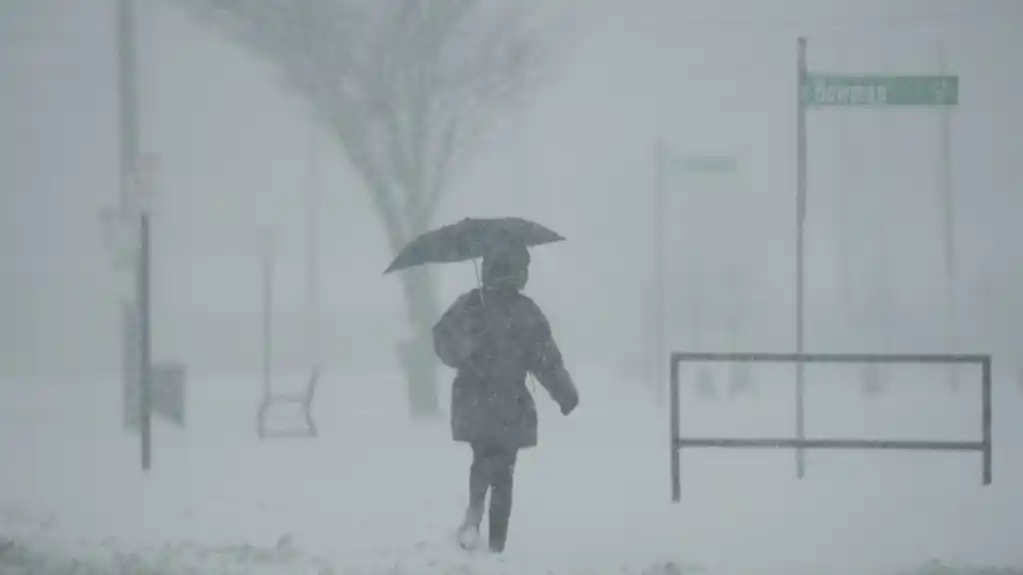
(302, 398)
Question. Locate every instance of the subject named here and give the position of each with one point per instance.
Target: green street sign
(823, 90)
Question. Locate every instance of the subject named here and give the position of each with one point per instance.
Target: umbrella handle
(479, 280)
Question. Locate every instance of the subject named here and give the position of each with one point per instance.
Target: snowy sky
(707, 77)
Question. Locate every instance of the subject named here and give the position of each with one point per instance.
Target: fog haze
(707, 78)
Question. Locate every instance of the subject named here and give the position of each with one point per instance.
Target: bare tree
(408, 87)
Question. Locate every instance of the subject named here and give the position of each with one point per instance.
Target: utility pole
(135, 312)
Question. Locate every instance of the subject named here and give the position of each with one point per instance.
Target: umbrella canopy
(469, 239)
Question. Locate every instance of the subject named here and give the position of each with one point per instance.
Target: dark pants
(492, 468)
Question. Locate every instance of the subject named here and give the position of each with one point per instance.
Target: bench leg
(309, 419)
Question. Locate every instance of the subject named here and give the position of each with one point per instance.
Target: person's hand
(569, 406)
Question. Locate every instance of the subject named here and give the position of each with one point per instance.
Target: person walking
(494, 336)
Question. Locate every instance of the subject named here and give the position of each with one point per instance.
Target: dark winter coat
(494, 338)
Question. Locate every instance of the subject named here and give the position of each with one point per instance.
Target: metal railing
(800, 443)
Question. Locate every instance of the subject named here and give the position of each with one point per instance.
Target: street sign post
(801, 104)
(816, 91)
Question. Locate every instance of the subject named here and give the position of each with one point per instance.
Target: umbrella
(469, 239)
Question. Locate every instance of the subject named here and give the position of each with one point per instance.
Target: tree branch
(409, 86)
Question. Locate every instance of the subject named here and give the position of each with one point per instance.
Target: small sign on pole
(169, 392)
(120, 237)
(167, 379)
(143, 183)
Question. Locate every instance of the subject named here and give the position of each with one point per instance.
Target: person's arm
(548, 365)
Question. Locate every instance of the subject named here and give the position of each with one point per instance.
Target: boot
(503, 479)
(500, 512)
(498, 532)
(469, 530)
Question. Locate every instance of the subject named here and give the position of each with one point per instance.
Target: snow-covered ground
(376, 493)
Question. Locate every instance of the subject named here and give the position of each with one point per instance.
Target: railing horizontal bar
(781, 443)
(830, 357)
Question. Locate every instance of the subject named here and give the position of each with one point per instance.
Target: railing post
(676, 485)
(986, 416)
